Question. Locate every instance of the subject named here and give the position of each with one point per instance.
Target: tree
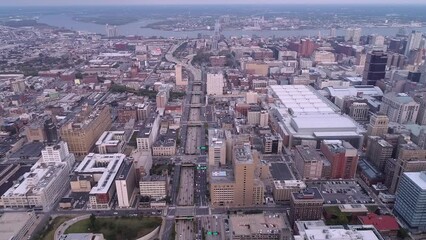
(92, 221)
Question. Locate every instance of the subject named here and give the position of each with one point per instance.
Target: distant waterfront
(136, 28)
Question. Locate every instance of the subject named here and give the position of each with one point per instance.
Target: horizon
(167, 4)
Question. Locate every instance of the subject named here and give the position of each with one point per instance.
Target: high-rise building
(308, 162)
(217, 147)
(306, 205)
(414, 41)
(359, 111)
(240, 186)
(410, 199)
(307, 47)
(399, 107)
(161, 99)
(111, 31)
(180, 81)
(378, 151)
(51, 131)
(125, 184)
(378, 125)
(410, 158)
(375, 67)
(57, 153)
(82, 131)
(353, 35)
(272, 144)
(215, 84)
(343, 158)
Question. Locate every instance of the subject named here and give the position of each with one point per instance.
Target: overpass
(193, 123)
(185, 213)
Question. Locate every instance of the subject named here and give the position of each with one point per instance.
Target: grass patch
(117, 228)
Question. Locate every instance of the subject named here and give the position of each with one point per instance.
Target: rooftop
(380, 222)
(418, 178)
(308, 194)
(401, 98)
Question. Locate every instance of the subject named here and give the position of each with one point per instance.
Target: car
(115, 213)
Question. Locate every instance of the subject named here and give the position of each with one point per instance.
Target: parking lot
(342, 192)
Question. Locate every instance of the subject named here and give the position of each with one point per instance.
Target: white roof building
(305, 115)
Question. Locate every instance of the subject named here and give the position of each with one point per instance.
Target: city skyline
(193, 2)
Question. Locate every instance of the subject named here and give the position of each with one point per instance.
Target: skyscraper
(375, 67)
(50, 131)
(410, 199)
(343, 157)
(111, 31)
(353, 35)
(414, 40)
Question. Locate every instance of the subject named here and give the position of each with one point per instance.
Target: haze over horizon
(197, 2)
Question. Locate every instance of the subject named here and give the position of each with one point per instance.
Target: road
(61, 229)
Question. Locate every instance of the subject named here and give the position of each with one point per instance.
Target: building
(359, 111)
(353, 35)
(15, 225)
(375, 67)
(103, 168)
(387, 225)
(84, 128)
(308, 162)
(239, 186)
(272, 144)
(378, 125)
(154, 187)
(41, 187)
(164, 146)
(18, 86)
(125, 184)
(282, 189)
(302, 116)
(410, 158)
(51, 131)
(251, 97)
(217, 147)
(259, 226)
(111, 31)
(111, 142)
(306, 205)
(323, 57)
(400, 108)
(414, 41)
(180, 81)
(148, 133)
(317, 230)
(411, 198)
(343, 158)
(161, 99)
(35, 132)
(378, 151)
(215, 84)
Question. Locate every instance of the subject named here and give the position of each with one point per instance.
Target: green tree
(92, 221)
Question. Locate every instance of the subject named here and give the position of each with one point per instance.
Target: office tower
(410, 158)
(414, 41)
(377, 40)
(264, 118)
(216, 36)
(353, 35)
(215, 84)
(272, 144)
(240, 186)
(306, 205)
(50, 131)
(375, 67)
(308, 162)
(125, 184)
(343, 158)
(307, 47)
(378, 125)
(179, 78)
(161, 99)
(358, 111)
(248, 189)
(111, 31)
(378, 151)
(395, 45)
(395, 60)
(217, 147)
(421, 116)
(399, 107)
(333, 32)
(82, 131)
(410, 199)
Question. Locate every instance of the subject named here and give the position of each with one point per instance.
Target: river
(136, 28)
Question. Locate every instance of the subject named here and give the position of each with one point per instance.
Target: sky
(163, 2)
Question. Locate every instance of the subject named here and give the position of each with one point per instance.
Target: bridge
(185, 213)
(194, 105)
